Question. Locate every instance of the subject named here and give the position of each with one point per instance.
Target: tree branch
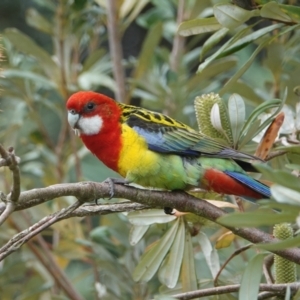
(10, 160)
(276, 289)
(87, 191)
(115, 48)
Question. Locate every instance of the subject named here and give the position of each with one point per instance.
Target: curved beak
(73, 118)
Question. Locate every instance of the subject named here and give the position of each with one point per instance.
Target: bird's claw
(111, 182)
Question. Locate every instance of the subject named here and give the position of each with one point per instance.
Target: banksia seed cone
(285, 270)
(203, 109)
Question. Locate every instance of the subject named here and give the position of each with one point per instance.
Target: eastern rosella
(154, 150)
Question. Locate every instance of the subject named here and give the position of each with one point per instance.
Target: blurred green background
(52, 48)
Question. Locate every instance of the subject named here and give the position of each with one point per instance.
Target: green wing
(166, 135)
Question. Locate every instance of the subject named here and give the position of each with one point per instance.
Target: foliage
(249, 57)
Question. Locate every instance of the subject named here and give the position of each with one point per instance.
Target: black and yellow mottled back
(166, 135)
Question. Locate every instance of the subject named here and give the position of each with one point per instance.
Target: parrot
(154, 150)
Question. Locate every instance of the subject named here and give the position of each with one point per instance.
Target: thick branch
(87, 191)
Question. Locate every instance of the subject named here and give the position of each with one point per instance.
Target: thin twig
(16, 183)
(179, 41)
(72, 211)
(12, 198)
(234, 254)
(115, 48)
(47, 260)
(268, 262)
(18, 240)
(278, 289)
(275, 154)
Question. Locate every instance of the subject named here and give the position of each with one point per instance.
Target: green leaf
(239, 42)
(152, 259)
(188, 270)
(137, 8)
(153, 38)
(198, 26)
(292, 11)
(253, 118)
(149, 217)
(283, 178)
(285, 195)
(36, 20)
(272, 10)
(245, 67)
(88, 80)
(136, 233)
(210, 254)
(213, 40)
(211, 58)
(237, 114)
(26, 45)
(232, 16)
(257, 218)
(169, 272)
(251, 278)
(290, 149)
(27, 75)
(288, 243)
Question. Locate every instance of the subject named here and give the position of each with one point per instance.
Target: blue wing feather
(250, 182)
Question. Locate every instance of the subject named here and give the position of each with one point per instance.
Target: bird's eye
(90, 106)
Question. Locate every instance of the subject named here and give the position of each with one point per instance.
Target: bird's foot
(111, 182)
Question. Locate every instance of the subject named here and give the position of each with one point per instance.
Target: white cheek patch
(90, 126)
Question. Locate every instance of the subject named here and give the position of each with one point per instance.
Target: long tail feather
(251, 183)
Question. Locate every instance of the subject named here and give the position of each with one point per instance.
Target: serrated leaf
(257, 218)
(198, 26)
(136, 234)
(237, 114)
(149, 217)
(251, 278)
(210, 254)
(169, 272)
(152, 259)
(188, 270)
(272, 10)
(232, 16)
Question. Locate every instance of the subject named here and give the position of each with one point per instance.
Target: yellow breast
(135, 157)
